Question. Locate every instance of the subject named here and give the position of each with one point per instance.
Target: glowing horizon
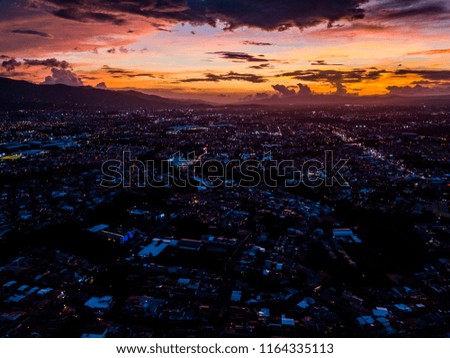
(174, 51)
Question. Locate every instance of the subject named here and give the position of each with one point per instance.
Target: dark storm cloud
(262, 66)
(49, 62)
(421, 11)
(91, 78)
(426, 74)
(336, 78)
(120, 49)
(115, 71)
(430, 83)
(324, 63)
(404, 9)
(265, 14)
(71, 13)
(31, 32)
(133, 75)
(11, 64)
(230, 76)
(239, 56)
(418, 90)
(284, 90)
(303, 90)
(374, 74)
(120, 73)
(255, 43)
(350, 76)
(160, 27)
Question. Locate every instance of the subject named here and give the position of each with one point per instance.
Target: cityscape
(366, 258)
(205, 202)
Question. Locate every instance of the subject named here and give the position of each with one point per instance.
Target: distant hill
(21, 94)
(325, 100)
(25, 95)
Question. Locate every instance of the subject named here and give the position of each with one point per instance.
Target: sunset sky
(229, 50)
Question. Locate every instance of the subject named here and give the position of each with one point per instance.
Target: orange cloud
(431, 52)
